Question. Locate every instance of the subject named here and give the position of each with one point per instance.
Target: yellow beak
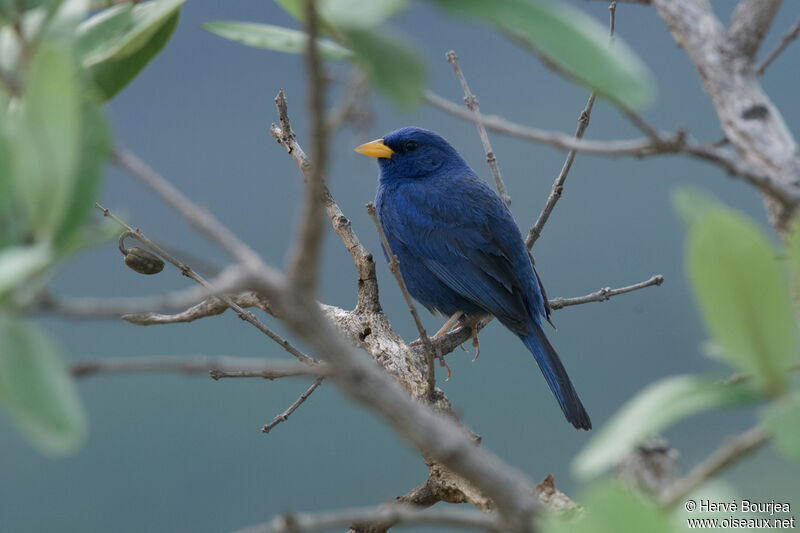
(375, 149)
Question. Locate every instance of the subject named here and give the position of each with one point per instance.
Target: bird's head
(413, 153)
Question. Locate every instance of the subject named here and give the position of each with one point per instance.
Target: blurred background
(172, 453)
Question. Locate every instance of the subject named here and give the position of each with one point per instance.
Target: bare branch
(676, 144)
(192, 210)
(605, 294)
(472, 104)
(217, 366)
(558, 184)
(754, 126)
(725, 456)
(284, 416)
(199, 218)
(455, 338)
(209, 307)
(394, 266)
(367, 280)
(790, 36)
(304, 270)
(404, 515)
(750, 23)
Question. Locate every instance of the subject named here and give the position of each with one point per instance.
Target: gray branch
(724, 62)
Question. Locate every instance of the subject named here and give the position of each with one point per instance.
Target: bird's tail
(556, 376)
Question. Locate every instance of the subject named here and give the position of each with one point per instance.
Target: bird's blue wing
(471, 243)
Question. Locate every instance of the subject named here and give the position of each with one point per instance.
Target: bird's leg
(443, 330)
(442, 362)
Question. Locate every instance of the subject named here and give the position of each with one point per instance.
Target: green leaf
(96, 35)
(655, 408)
(95, 146)
(357, 14)
(46, 133)
(19, 263)
(743, 296)
(274, 38)
(570, 39)
(611, 508)
(782, 421)
(352, 14)
(692, 203)
(390, 65)
(112, 76)
(146, 19)
(38, 391)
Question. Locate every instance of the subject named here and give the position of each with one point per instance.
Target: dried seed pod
(142, 261)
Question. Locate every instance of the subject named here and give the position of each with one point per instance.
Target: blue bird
(459, 248)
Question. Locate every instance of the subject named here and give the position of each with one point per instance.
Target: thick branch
(724, 62)
(750, 23)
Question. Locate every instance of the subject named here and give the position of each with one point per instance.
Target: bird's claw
(475, 344)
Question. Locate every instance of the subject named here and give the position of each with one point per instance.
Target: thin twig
(605, 293)
(472, 104)
(217, 366)
(199, 218)
(558, 184)
(645, 147)
(394, 266)
(723, 457)
(292, 408)
(455, 338)
(403, 515)
(304, 269)
(191, 274)
(367, 280)
(790, 36)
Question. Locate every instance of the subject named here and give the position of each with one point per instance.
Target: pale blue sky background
(174, 454)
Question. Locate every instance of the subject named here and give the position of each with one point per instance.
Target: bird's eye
(411, 146)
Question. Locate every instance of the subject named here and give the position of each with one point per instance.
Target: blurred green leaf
(390, 65)
(692, 203)
(782, 421)
(95, 146)
(147, 19)
(38, 391)
(357, 14)
(97, 34)
(18, 263)
(110, 77)
(353, 14)
(570, 39)
(743, 296)
(653, 409)
(611, 508)
(45, 134)
(274, 38)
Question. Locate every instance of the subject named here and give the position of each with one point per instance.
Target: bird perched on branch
(459, 249)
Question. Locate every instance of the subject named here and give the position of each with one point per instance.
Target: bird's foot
(475, 343)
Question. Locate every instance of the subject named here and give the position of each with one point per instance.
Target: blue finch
(459, 248)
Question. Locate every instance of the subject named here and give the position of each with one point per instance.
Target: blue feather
(460, 250)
